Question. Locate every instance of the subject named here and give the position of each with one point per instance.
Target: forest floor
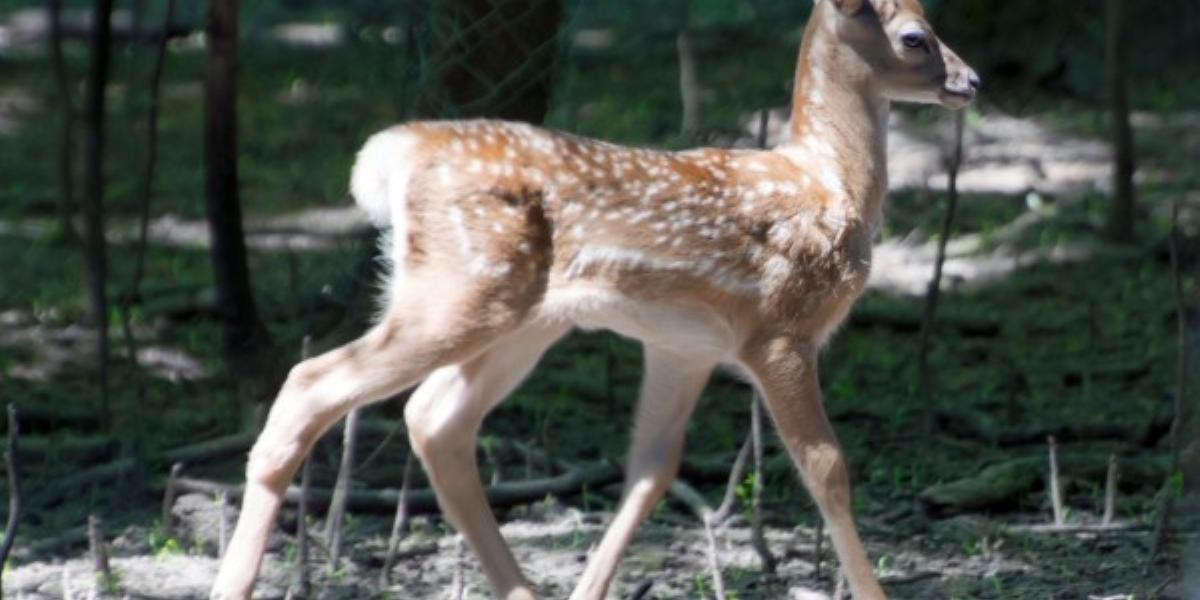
(1044, 330)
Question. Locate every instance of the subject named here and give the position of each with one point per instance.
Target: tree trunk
(492, 58)
(1121, 213)
(93, 203)
(689, 78)
(243, 330)
(66, 147)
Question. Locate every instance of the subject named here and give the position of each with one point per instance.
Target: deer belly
(691, 329)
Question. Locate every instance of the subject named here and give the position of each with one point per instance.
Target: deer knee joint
(272, 463)
(301, 376)
(824, 468)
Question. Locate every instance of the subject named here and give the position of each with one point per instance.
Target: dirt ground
(551, 541)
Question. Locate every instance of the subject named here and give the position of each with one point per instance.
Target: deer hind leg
(443, 418)
(786, 372)
(412, 340)
(669, 392)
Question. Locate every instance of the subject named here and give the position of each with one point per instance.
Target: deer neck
(839, 123)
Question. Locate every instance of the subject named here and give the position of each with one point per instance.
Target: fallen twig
(191, 454)
(1005, 483)
(423, 501)
(417, 551)
(1115, 527)
(909, 578)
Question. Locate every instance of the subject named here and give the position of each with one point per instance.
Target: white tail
(379, 180)
(506, 236)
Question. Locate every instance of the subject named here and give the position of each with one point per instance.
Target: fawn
(504, 236)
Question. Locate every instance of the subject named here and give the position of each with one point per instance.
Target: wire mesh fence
(534, 60)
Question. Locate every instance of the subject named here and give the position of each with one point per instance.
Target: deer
(505, 236)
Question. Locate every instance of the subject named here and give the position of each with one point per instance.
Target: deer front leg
(669, 392)
(786, 372)
(443, 418)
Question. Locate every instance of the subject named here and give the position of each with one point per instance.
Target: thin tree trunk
(303, 579)
(98, 548)
(758, 538)
(1110, 491)
(1054, 483)
(137, 20)
(169, 495)
(12, 464)
(1162, 524)
(689, 79)
(933, 292)
(341, 491)
(244, 332)
(400, 523)
(66, 144)
(1121, 212)
(147, 182)
(135, 283)
(93, 206)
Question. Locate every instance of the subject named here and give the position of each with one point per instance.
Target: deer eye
(914, 40)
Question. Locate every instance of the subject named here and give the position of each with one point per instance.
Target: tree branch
(423, 501)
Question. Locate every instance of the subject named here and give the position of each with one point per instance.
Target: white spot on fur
(776, 273)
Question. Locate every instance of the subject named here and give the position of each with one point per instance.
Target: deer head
(902, 56)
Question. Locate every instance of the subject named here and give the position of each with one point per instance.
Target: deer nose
(973, 80)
